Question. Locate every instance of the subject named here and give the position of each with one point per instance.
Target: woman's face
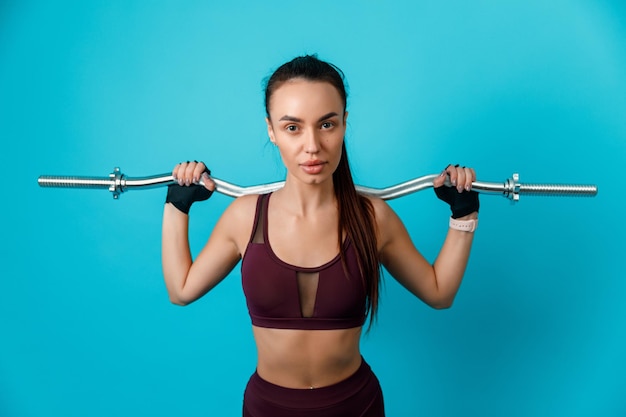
(307, 122)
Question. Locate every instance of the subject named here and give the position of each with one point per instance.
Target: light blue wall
(535, 87)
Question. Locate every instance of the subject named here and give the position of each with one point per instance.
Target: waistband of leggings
(321, 397)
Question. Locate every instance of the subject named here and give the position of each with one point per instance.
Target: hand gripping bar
(511, 188)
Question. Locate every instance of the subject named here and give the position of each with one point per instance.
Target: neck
(302, 198)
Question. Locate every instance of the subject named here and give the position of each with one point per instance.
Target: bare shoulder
(241, 211)
(388, 224)
(382, 210)
(238, 218)
(243, 206)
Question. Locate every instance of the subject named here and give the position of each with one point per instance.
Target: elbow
(178, 295)
(179, 301)
(442, 304)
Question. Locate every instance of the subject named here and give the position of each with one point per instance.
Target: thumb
(440, 179)
(208, 183)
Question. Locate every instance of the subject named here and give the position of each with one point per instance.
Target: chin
(316, 179)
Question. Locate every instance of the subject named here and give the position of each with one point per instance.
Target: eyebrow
(297, 120)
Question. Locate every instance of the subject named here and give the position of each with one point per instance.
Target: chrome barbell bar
(118, 183)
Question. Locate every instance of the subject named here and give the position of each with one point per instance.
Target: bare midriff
(306, 359)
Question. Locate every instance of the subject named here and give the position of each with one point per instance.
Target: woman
(311, 253)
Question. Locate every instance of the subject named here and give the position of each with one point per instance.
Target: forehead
(298, 96)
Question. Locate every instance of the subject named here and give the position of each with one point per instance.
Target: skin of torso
(304, 358)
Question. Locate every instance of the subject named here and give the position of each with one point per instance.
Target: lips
(313, 166)
(312, 163)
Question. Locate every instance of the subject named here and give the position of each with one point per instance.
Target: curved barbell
(511, 188)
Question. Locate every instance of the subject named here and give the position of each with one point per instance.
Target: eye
(291, 128)
(327, 125)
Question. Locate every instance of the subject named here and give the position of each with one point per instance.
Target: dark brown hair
(356, 214)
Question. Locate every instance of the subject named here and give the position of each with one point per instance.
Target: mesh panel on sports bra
(307, 291)
(260, 225)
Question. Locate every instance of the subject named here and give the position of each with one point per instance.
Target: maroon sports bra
(284, 296)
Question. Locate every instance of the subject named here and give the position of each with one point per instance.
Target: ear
(345, 118)
(270, 130)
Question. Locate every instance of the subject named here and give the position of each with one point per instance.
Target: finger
(190, 166)
(180, 172)
(440, 179)
(469, 178)
(460, 179)
(209, 184)
(197, 172)
(452, 173)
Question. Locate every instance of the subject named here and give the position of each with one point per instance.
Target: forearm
(451, 263)
(175, 252)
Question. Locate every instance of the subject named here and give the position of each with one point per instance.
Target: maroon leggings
(357, 396)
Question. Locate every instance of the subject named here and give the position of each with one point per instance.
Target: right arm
(187, 280)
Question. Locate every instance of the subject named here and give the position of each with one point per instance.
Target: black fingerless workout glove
(461, 204)
(182, 197)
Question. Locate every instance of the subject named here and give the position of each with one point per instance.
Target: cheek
(337, 151)
(287, 154)
(336, 144)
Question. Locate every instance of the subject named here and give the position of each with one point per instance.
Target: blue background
(535, 87)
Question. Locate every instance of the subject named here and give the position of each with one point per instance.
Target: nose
(312, 142)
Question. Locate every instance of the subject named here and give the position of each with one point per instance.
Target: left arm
(435, 284)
